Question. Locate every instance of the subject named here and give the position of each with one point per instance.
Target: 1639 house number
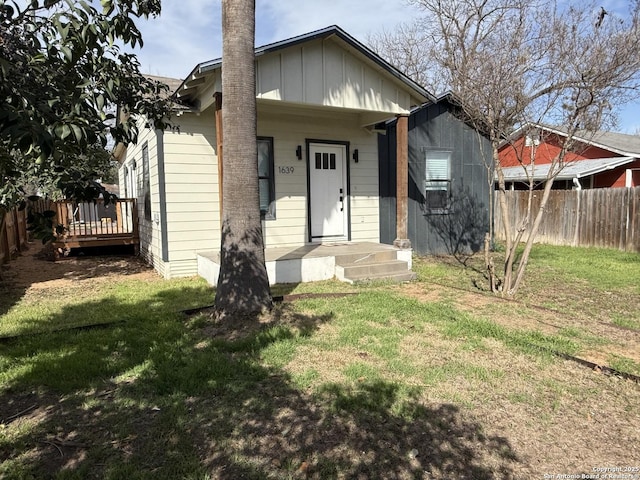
(285, 170)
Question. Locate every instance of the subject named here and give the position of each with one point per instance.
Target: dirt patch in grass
(34, 274)
(603, 338)
(34, 269)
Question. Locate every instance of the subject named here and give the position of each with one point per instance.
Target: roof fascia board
(620, 161)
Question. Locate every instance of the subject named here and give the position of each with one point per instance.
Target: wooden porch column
(402, 182)
(218, 115)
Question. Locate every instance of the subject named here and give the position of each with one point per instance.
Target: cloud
(357, 17)
(189, 31)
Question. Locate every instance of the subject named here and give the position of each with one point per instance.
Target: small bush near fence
(601, 217)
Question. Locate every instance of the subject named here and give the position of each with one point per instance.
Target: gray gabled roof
(324, 33)
(172, 83)
(619, 143)
(571, 170)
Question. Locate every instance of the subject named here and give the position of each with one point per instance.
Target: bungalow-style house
(598, 160)
(449, 185)
(319, 99)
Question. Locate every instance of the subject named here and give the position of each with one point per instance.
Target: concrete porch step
(405, 276)
(348, 262)
(374, 266)
(366, 258)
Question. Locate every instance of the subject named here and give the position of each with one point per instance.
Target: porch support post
(402, 182)
(218, 116)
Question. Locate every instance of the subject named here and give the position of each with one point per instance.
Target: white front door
(328, 192)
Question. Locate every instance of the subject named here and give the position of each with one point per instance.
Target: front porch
(348, 262)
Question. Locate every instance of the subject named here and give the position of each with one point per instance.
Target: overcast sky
(189, 31)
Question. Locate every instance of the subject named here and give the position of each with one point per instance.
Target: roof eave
(566, 175)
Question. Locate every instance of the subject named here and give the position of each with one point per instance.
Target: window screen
(437, 180)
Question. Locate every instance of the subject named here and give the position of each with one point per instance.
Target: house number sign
(285, 170)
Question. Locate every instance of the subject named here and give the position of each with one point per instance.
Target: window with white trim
(437, 182)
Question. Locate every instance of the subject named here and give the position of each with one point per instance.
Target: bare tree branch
(510, 64)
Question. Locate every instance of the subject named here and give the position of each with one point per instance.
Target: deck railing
(92, 219)
(92, 224)
(95, 219)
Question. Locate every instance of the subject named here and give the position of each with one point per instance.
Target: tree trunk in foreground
(243, 285)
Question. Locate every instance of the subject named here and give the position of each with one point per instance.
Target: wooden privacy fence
(13, 234)
(599, 217)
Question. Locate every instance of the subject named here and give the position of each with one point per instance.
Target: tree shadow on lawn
(161, 398)
(33, 266)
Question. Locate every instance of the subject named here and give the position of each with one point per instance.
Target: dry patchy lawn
(406, 381)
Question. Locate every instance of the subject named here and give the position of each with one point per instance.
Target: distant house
(319, 98)
(600, 160)
(449, 181)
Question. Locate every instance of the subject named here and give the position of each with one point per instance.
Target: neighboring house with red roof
(600, 160)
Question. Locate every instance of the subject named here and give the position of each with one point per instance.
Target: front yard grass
(410, 381)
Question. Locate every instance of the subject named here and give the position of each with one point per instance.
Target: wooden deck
(94, 224)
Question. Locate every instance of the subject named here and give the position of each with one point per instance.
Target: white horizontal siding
(191, 188)
(182, 227)
(181, 179)
(190, 153)
(182, 268)
(289, 130)
(195, 187)
(150, 234)
(186, 250)
(191, 176)
(189, 217)
(188, 169)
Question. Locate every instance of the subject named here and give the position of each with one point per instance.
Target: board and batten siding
(323, 73)
(462, 227)
(290, 227)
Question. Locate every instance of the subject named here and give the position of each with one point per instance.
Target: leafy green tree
(64, 80)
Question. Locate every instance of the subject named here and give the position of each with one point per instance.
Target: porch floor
(308, 263)
(325, 250)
